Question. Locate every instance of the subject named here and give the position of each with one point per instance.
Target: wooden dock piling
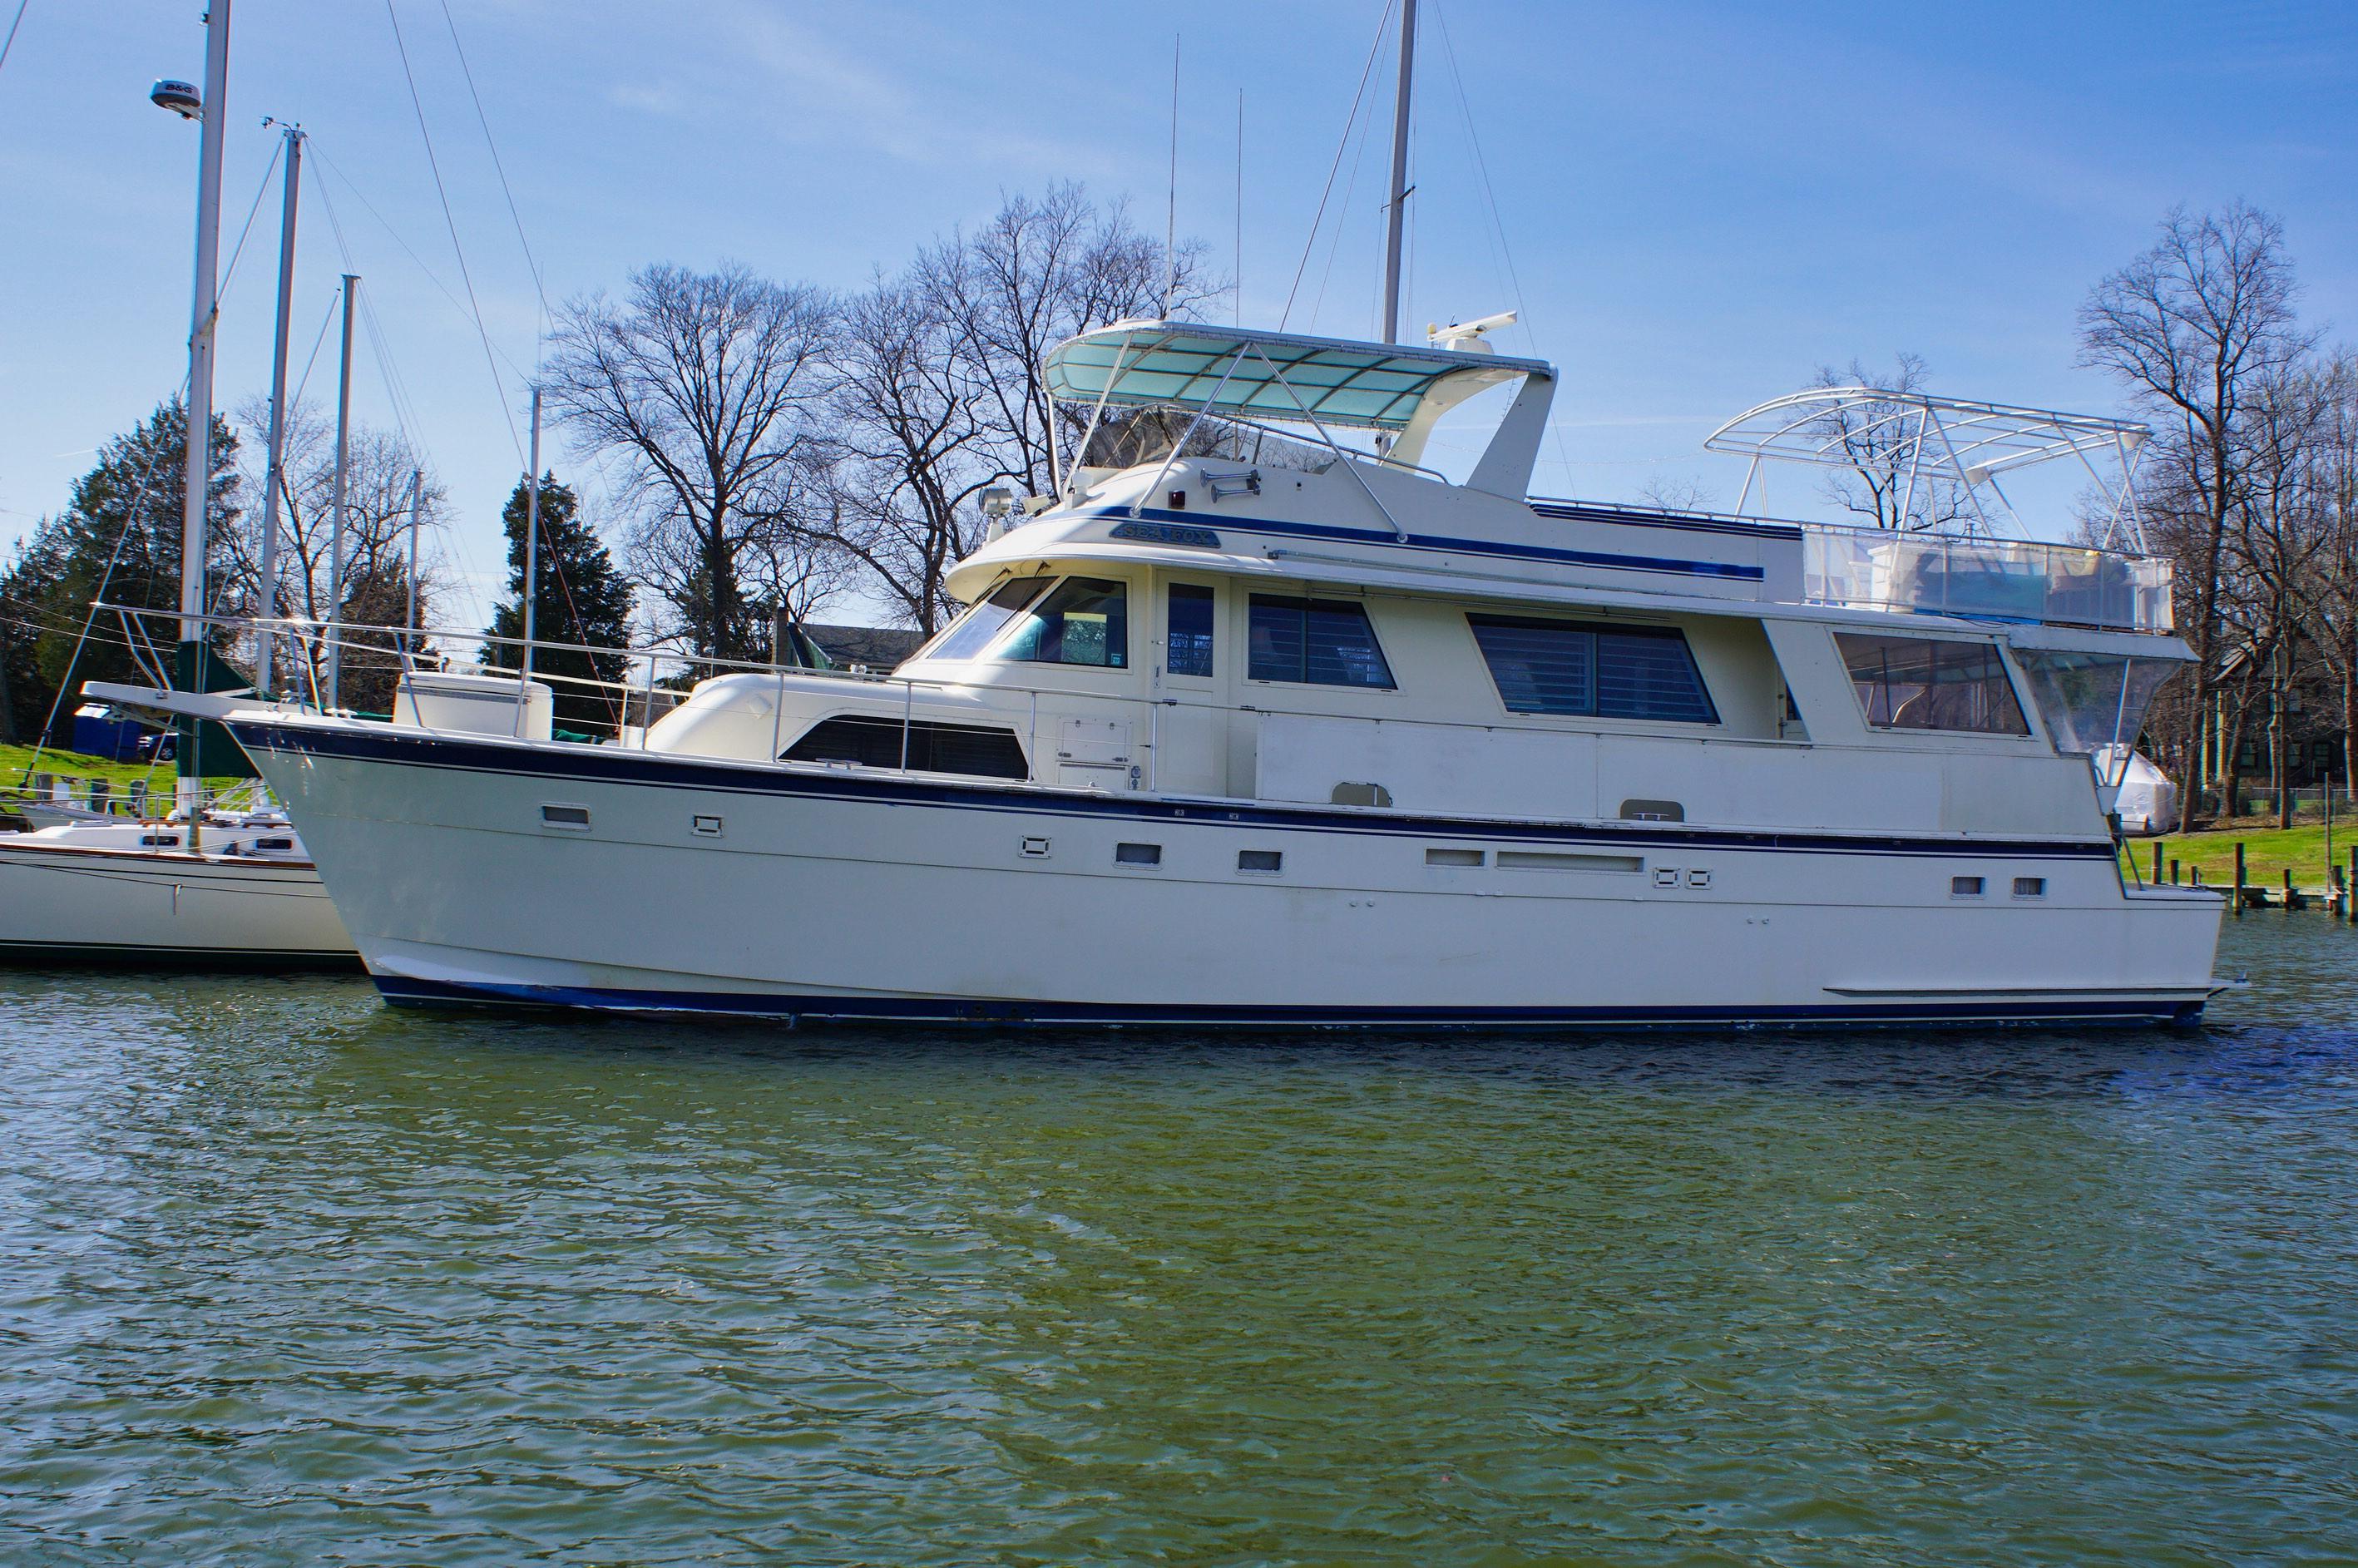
(2239, 878)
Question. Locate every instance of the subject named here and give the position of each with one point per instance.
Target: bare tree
(705, 388)
(2330, 588)
(911, 446)
(2193, 327)
(1681, 494)
(1885, 482)
(2279, 534)
(1036, 274)
(942, 392)
(376, 543)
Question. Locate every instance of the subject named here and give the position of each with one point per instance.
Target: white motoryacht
(1220, 741)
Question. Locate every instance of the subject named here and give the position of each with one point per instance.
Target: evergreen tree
(131, 499)
(580, 598)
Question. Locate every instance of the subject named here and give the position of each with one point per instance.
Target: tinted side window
(1084, 621)
(1540, 666)
(1610, 671)
(873, 742)
(971, 632)
(1931, 683)
(1314, 641)
(1190, 640)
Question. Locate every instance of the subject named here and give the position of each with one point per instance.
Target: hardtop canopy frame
(1917, 437)
(1396, 390)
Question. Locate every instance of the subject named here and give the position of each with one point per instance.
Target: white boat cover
(2147, 799)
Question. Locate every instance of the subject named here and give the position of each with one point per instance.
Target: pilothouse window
(1314, 641)
(973, 632)
(1585, 671)
(1086, 620)
(1931, 682)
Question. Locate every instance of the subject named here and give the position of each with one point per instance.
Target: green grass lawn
(16, 761)
(2267, 853)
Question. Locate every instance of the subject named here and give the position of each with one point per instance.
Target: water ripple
(285, 1277)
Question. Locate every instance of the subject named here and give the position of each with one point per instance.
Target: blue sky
(1702, 202)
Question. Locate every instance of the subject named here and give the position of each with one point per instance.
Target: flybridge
(1906, 445)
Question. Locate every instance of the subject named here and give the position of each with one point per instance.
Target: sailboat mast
(1399, 196)
(196, 478)
(267, 653)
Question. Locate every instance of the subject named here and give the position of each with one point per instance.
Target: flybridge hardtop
(1231, 373)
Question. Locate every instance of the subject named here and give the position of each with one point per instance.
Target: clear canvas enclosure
(2091, 701)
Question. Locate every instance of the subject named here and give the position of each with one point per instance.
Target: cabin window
(1189, 652)
(973, 632)
(1314, 641)
(1605, 671)
(1084, 621)
(1928, 682)
(875, 742)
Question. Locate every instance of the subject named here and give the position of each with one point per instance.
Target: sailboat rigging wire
(138, 500)
(1171, 210)
(317, 344)
(530, 260)
(1341, 218)
(1498, 219)
(238, 250)
(11, 42)
(1309, 242)
(417, 106)
(433, 277)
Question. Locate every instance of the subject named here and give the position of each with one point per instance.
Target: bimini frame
(1912, 438)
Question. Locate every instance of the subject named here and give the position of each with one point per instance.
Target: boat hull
(73, 905)
(674, 883)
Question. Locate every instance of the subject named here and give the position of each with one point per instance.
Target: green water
(288, 1278)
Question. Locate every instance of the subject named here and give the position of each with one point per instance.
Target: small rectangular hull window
(1931, 682)
(1314, 641)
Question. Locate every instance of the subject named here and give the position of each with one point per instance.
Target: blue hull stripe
(1445, 543)
(608, 764)
(1006, 1013)
(1588, 512)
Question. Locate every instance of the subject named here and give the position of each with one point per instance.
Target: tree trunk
(2231, 764)
(2350, 730)
(2279, 758)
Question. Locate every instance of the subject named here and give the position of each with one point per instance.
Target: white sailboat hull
(60, 902)
(673, 882)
